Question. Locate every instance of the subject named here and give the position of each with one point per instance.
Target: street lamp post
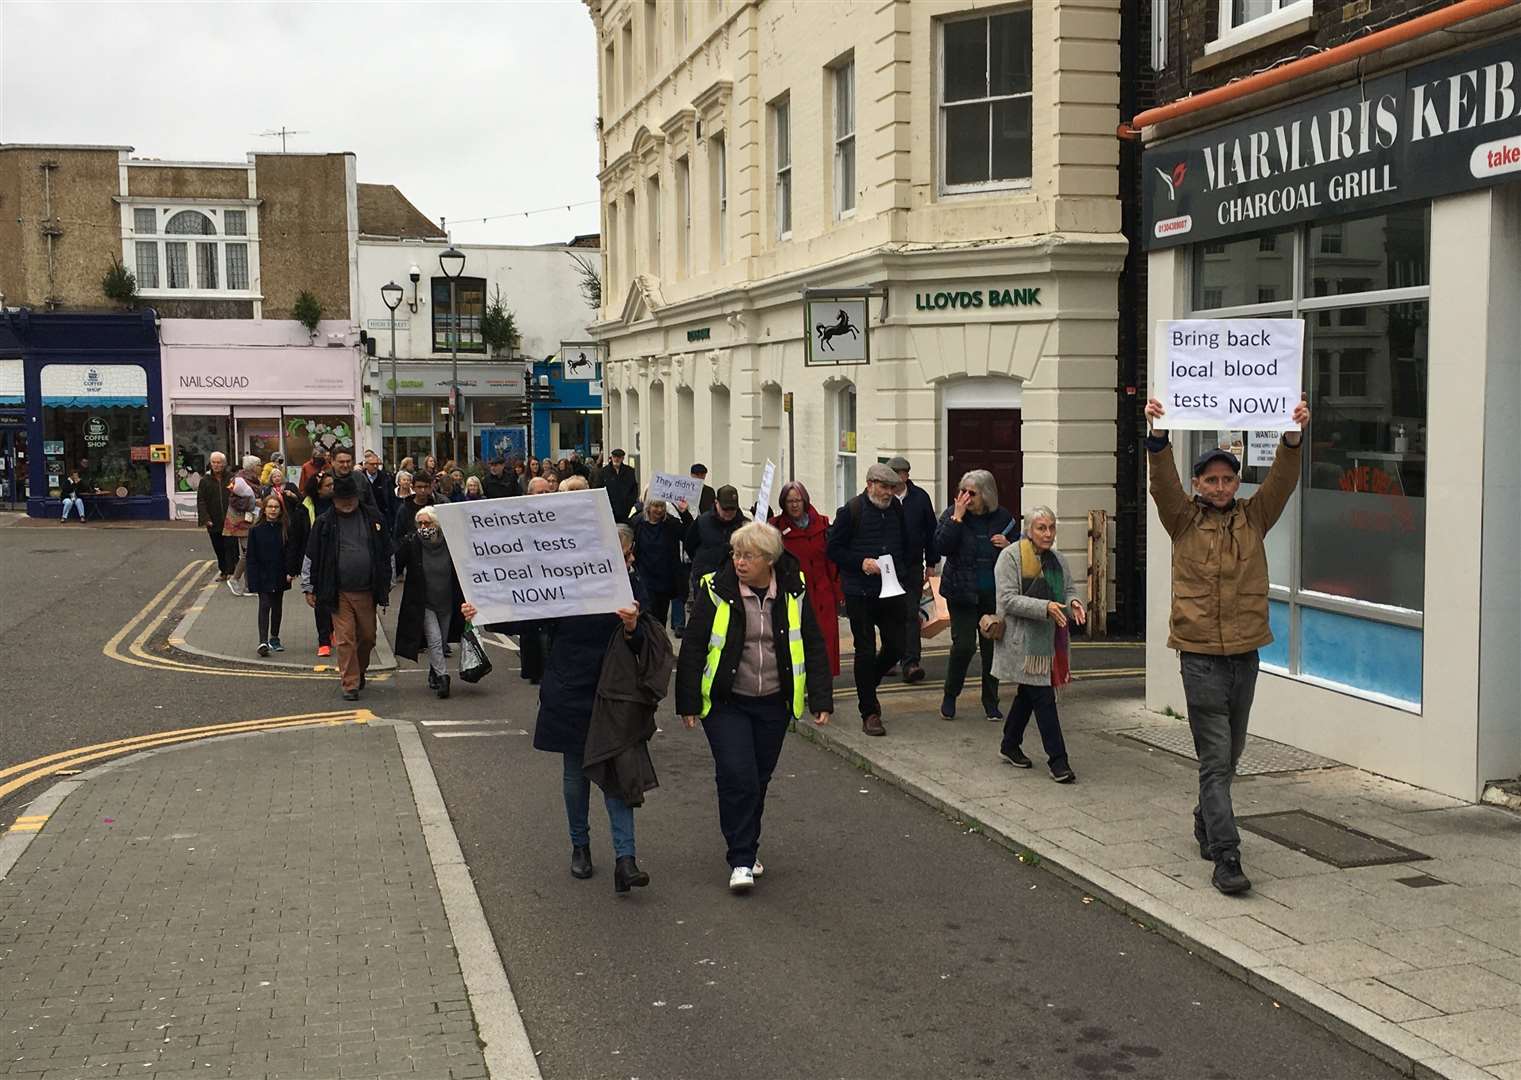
(392, 293)
(452, 262)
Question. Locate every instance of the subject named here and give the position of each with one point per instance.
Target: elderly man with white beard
(867, 527)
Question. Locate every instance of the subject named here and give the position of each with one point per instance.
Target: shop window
(95, 419)
(472, 305)
(1233, 274)
(1347, 559)
(196, 438)
(409, 410)
(845, 456)
(986, 101)
(303, 432)
(494, 411)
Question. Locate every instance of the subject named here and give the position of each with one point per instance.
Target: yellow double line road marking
(39, 768)
(146, 624)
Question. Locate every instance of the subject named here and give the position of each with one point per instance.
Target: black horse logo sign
(841, 327)
(579, 363)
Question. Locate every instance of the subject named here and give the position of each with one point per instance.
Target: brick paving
(1425, 976)
(257, 907)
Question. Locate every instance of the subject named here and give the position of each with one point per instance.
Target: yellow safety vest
(720, 634)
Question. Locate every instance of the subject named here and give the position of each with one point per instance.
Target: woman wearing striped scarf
(1037, 597)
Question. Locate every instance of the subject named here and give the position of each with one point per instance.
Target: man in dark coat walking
(343, 465)
(499, 482)
(708, 496)
(707, 541)
(919, 524)
(347, 570)
(211, 512)
(868, 526)
(622, 485)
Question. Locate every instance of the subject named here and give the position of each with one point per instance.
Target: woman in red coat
(805, 533)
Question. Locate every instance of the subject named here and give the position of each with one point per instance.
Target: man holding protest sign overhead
(1219, 613)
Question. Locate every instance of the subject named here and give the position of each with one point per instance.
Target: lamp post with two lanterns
(452, 263)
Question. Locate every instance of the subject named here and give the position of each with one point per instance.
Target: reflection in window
(472, 305)
(1236, 273)
(986, 99)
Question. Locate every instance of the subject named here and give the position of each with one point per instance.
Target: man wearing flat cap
(347, 572)
(1219, 613)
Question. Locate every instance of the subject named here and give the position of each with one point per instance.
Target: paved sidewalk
(225, 627)
(1425, 973)
(255, 907)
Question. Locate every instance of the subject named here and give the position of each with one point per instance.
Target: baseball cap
(1216, 453)
(898, 463)
(728, 498)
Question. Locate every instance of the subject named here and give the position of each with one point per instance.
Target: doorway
(13, 467)
(986, 439)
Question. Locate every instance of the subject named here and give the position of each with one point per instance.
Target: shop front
(414, 409)
(12, 422)
(1378, 215)
(278, 396)
(567, 408)
(89, 396)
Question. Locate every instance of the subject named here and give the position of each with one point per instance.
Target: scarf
(1046, 644)
(800, 522)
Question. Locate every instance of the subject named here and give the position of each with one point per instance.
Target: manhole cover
(1260, 756)
(1327, 841)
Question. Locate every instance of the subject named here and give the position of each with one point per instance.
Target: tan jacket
(1219, 563)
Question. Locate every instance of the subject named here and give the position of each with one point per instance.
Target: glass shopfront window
(95, 419)
(304, 431)
(1347, 559)
(196, 438)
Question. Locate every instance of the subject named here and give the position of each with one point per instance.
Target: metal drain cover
(1327, 841)
(1260, 756)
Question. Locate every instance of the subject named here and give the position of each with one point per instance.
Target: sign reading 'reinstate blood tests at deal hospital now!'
(1229, 373)
(537, 556)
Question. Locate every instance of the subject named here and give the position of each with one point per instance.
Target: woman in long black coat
(431, 599)
(567, 692)
(657, 554)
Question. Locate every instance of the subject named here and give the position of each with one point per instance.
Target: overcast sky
(471, 109)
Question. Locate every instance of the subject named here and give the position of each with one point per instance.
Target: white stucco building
(958, 156)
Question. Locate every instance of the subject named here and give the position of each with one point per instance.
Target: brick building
(1354, 166)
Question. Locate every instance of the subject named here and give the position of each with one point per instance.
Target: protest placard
(1228, 373)
(671, 488)
(763, 496)
(537, 556)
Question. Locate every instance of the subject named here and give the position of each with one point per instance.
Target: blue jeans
(620, 815)
(74, 502)
(746, 736)
(679, 615)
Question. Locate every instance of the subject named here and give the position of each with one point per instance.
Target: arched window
(190, 223)
(203, 250)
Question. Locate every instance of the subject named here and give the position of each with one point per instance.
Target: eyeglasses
(748, 556)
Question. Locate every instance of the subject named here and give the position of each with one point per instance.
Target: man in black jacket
(865, 528)
(406, 513)
(211, 512)
(708, 497)
(622, 487)
(347, 571)
(919, 523)
(343, 465)
(707, 541)
(498, 483)
(382, 485)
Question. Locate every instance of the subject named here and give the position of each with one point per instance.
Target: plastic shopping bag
(474, 664)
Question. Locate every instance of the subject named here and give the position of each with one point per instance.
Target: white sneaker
(741, 879)
(757, 870)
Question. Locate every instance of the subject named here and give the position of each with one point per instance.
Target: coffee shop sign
(975, 298)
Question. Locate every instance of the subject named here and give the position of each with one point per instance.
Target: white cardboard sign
(1228, 373)
(763, 496)
(537, 556)
(671, 487)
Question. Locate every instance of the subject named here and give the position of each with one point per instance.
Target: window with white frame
(683, 216)
(652, 208)
(201, 249)
(781, 143)
(1243, 19)
(845, 138)
(1159, 35)
(986, 102)
(718, 159)
(845, 443)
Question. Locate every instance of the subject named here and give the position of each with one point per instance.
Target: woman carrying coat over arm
(753, 663)
(1037, 597)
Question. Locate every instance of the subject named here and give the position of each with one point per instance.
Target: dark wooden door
(986, 439)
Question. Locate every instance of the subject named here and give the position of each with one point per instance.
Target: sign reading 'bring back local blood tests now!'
(1229, 373)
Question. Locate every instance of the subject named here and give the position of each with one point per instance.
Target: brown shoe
(872, 724)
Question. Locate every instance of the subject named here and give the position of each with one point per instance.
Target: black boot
(1228, 877)
(432, 679)
(442, 686)
(580, 862)
(626, 874)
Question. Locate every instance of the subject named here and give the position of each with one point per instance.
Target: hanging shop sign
(578, 359)
(836, 330)
(1448, 126)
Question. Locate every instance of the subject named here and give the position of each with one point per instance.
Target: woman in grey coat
(1037, 597)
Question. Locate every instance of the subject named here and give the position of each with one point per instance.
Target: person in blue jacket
(972, 532)
(269, 568)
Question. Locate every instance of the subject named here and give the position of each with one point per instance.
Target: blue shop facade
(567, 405)
(82, 391)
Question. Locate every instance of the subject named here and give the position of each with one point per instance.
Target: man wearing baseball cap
(1219, 613)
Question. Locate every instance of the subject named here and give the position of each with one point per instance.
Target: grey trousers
(433, 632)
(1219, 691)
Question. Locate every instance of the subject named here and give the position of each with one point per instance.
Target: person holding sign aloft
(754, 662)
(1219, 615)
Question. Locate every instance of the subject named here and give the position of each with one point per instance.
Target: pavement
(283, 904)
(1418, 961)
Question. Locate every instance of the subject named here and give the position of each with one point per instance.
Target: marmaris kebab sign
(1448, 126)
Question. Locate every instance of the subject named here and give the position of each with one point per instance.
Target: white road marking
(464, 734)
(459, 723)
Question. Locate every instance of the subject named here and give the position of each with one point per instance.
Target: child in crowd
(269, 569)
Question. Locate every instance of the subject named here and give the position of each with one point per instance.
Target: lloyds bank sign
(1451, 125)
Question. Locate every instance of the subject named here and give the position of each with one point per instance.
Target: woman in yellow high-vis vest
(752, 661)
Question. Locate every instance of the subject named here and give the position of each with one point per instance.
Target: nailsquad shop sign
(1448, 126)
